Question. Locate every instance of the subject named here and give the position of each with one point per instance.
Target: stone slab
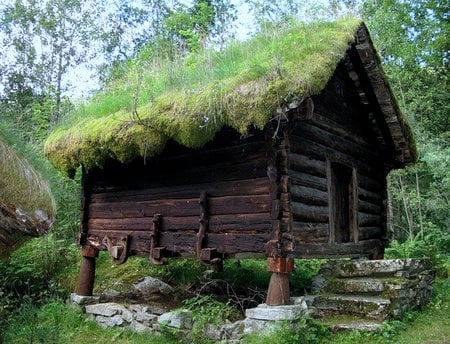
(275, 313)
(105, 309)
(84, 300)
(177, 319)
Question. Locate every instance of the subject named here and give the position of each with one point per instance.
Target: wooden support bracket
(156, 255)
(118, 251)
(205, 255)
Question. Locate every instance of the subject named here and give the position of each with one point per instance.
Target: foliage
(244, 86)
(309, 331)
(206, 311)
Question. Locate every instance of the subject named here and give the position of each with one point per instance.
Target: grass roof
(190, 99)
(26, 203)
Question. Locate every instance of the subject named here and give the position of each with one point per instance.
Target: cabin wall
(123, 200)
(335, 155)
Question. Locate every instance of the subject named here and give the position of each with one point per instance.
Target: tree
(44, 40)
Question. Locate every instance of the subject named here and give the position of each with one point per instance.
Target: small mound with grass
(27, 207)
(189, 100)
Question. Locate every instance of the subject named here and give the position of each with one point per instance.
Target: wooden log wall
(339, 132)
(236, 213)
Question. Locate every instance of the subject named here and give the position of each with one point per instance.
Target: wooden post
(86, 277)
(279, 292)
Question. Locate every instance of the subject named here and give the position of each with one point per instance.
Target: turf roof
(268, 70)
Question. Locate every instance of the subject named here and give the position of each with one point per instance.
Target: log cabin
(289, 164)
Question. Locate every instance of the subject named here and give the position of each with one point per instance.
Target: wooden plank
(221, 188)
(310, 232)
(366, 233)
(318, 151)
(368, 220)
(308, 195)
(184, 242)
(309, 213)
(341, 250)
(337, 143)
(308, 180)
(369, 196)
(303, 163)
(368, 207)
(183, 207)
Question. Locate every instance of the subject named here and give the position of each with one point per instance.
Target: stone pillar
(279, 292)
(86, 277)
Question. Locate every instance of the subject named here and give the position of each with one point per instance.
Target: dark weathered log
(305, 146)
(259, 222)
(369, 196)
(309, 213)
(366, 233)
(308, 180)
(182, 207)
(303, 163)
(368, 220)
(368, 207)
(216, 189)
(185, 242)
(337, 143)
(328, 124)
(310, 232)
(313, 250)
(308, 195)
(370, 183)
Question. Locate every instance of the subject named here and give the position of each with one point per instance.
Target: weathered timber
(368, 207)
(308, 180)
(370, 196)
(185, 242)
(229, 188)
(360, 249)
(366, 233)
(181, 207)
(337, 143)
(310, 232)
(313, 213)
(368, 219)
(304, 146)
(308, 195)
(303, 163)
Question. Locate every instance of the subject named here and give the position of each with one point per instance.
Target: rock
(154, 310)
(213, 332)
(260, 326)
(146, 318)
(177, 319)
(233, 330)
(150, 285)
(138, 327)
(84, 300)
(275, 313)
(107, 321)
(127, 315)
(105, 309)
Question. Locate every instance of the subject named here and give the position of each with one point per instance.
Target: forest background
(53, 49)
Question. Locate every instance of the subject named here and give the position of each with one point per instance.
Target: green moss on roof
(258, 76)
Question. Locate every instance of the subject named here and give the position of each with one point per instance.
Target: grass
(190, 98)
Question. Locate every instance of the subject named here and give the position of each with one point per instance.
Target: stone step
(366, 268)
(345, 322)
(385, 287)
(366, 306)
